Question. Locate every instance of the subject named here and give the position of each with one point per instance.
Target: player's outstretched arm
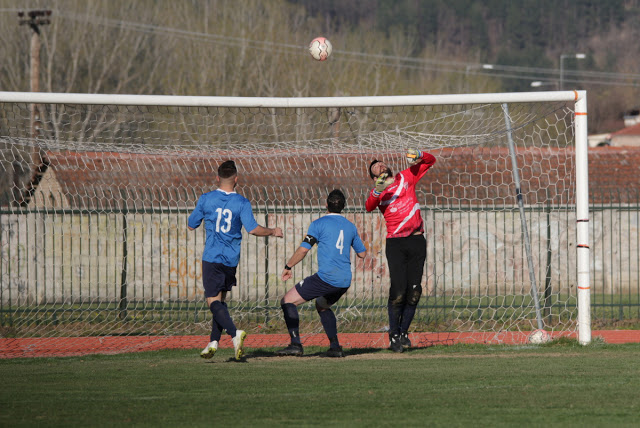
(420, 162)
(297, 257)
(265, 231)
(415, 156)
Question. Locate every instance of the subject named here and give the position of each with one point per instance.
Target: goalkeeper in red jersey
(406, 246)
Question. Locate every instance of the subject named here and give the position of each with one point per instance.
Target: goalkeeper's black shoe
(395, 343)
(335, 352)
(294, 349)
(404, 340)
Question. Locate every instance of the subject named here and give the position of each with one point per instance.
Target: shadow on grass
(315, 352)
(363, 351)
(310, 352)
(228, 360)
(271, 353)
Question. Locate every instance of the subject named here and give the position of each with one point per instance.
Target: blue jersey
(335, 236)
(224, 214)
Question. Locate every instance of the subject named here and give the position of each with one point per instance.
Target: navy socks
(292, 319)
(408, 313)
(328, 320)
(222, 318)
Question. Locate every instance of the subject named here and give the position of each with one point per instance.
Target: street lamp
(539, 83)
(473, 67)
(562, 57)
(483, 66)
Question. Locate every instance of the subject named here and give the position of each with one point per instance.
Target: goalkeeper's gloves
(414, 156)
(382, 182)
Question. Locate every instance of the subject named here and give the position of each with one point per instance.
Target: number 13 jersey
(224, 215)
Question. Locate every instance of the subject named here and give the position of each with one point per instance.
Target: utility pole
(34, 19)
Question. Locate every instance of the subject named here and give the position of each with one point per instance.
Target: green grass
(559, 384)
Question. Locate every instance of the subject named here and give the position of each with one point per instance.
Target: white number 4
(340, 242)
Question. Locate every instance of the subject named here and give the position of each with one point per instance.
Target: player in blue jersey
(335, 235)
(224, 213)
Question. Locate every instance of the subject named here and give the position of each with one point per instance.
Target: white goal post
(96, 190)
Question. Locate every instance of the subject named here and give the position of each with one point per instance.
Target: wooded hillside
(381, 47)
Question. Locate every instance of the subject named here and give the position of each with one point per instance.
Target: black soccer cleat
(335, 352)
(404, 340)
(395, 343)
(293, 350)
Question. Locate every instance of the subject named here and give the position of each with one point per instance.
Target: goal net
(96, 190)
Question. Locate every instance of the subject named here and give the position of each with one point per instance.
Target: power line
(437, 65)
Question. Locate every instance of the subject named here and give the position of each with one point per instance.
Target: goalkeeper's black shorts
(406, 257)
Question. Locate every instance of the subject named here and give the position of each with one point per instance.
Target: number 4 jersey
(224, 215)
(335, 235)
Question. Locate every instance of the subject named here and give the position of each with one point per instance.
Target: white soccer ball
(320, 48)
(538, 337)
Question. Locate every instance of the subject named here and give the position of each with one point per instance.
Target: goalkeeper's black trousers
(405, 257)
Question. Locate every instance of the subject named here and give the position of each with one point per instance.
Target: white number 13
(340, 241)
(226, 213)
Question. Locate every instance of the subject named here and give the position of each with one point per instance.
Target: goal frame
(580, 132)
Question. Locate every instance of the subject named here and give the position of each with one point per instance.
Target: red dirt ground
(75, 346)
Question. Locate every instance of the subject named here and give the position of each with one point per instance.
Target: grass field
(558, 384)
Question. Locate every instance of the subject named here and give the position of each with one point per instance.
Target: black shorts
(405, 257)
(217, 277)
(313, 287)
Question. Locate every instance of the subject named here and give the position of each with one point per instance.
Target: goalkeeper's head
(377, 167)
(335, 201)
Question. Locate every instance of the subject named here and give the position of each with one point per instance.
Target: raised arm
(420, 162)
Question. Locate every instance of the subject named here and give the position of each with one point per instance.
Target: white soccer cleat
(210, 350)
(238, 342)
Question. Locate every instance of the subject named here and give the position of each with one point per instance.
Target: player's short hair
(336, 201)
(373, 162)
(227, 169)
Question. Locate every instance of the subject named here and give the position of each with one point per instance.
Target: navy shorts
(217, 277)
(313, 287)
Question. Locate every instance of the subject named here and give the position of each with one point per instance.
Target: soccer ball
(320, 48)
(538, 337)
